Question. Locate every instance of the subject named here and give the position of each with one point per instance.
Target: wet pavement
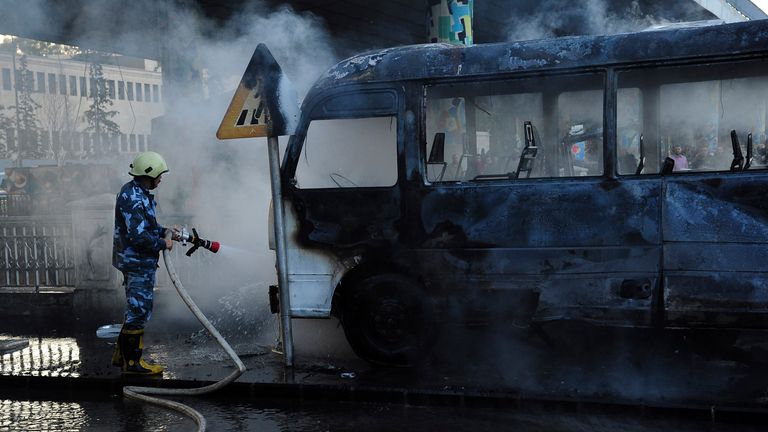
(480, 378)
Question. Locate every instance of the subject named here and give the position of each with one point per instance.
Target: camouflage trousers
(139, 296)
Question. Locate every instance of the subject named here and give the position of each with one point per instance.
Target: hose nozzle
(197, 241)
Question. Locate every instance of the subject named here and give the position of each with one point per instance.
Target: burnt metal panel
(715, 230)
(571, 241)
(432, 61)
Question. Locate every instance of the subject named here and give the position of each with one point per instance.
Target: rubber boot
(132, 345)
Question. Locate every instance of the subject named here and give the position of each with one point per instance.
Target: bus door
(714, 211)
(342, 188)
(524, 213)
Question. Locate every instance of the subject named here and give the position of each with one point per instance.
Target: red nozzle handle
(214, 247)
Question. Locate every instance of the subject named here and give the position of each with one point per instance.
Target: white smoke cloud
(222, 188)
(552, 18)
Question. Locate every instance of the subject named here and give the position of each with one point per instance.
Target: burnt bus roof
(445, 60)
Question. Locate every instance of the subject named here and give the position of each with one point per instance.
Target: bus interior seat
(525, 165)
(437, 154)
(641, 163)
(668, 166)
(737, 164)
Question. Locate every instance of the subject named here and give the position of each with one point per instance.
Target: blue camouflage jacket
(138, 238)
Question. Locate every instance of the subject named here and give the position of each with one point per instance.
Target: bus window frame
(710, 74)
(603, 71)
(314, 107)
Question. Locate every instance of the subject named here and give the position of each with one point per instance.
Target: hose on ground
(141, 393)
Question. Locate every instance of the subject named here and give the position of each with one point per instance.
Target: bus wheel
(388, 319)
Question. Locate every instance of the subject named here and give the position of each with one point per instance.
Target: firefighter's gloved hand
(175, 233)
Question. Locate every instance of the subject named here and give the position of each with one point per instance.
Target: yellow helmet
(148, 164)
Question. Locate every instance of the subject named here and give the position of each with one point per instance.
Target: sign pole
(265, 105)
(282, 254)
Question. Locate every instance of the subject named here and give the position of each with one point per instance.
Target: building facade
(64, 90)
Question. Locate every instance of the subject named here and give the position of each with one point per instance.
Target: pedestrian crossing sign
(264, 103)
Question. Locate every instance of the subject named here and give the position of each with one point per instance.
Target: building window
(111, 88)
(149, 142)
(94, 87)
(63, 85)
(41, 82)
(141, 143)
(113, 143)
(147, 94)
(121, 90)
(6, 79)
(138, 92)
(83, 90)
(29, 82)
(72, 86)
(129, 88)
(67, 138)
(132, 141)
(52, 83)
(87, 141)
(123, 143)
(155, 93)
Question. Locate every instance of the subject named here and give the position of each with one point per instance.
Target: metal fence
(15, 205)
(36, 252)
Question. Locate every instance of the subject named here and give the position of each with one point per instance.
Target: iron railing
(36, 252)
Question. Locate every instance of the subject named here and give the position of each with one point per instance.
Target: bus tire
(388, 320)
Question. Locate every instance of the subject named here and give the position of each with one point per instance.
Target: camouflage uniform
(138, 240)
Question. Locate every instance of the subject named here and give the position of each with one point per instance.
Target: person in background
(681, 162)
(452, 171)
(700, 157)
(138, 240)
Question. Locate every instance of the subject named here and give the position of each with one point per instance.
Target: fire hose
(142, 393)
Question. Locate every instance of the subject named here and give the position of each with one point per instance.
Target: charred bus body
(579, 178)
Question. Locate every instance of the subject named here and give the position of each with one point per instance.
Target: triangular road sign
(264, 103)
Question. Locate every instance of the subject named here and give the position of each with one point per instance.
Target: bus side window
(687, 113)
(484, 127)
(349, 153)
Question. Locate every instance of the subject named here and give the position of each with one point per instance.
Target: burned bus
(618, 180)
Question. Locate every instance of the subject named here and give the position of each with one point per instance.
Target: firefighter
(138, 240)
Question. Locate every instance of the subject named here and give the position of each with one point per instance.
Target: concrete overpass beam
(733, 10)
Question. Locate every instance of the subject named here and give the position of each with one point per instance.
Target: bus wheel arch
(387, 317)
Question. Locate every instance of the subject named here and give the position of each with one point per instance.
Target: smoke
(554, 18)
(226, 184)
(222, 188)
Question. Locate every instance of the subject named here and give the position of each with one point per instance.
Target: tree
(99, 116)
(5, 126)
(29, 142)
